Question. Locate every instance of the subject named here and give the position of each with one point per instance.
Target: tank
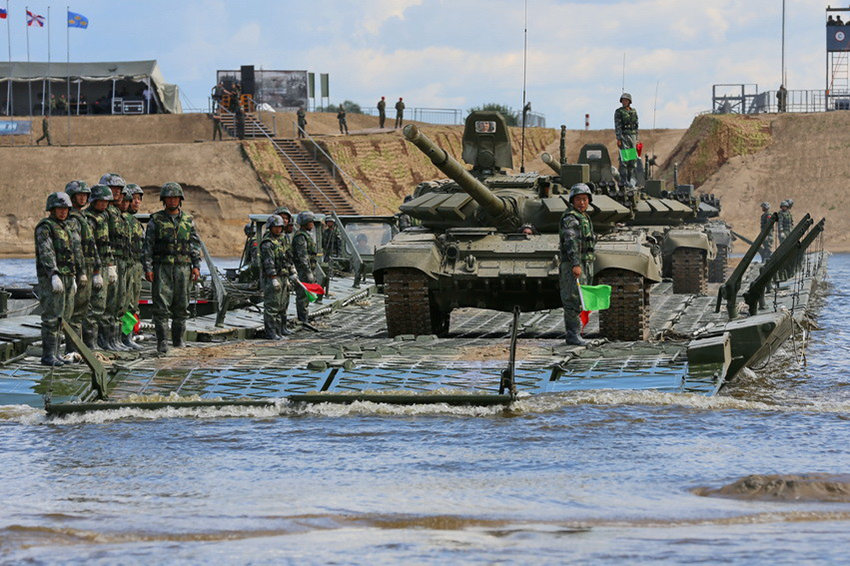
(469, 251)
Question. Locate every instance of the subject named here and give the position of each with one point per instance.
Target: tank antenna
(525, 107)
(624, 73)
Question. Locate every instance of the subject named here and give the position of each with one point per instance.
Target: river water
(597, 477)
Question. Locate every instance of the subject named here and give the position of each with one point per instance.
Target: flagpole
(9, 37)
(29, 82)
(68, 61)
(49, 89)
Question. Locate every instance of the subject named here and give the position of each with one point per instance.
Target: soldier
(119, 238)
(404, 220)
(276, 260)
(59, 261)
(399, 112)
(382, 112)
(767, 245)
(343, 123)
(288, 227)
(626, 130)
(782, 98)
(304, 258)
(133, 194)
(331, 239)
(302, 122)
(216, 127)
(577, 257)
(82, 321)
(98, 218)
(786, 220)
(45, 132)
(171, 258)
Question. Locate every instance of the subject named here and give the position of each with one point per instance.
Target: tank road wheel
(717, 266)
(690, 271)
(408, 306)
(627, 318)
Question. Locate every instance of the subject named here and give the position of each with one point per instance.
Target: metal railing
(335, 166)
(748, 100)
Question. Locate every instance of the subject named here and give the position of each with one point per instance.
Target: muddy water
(594, 477)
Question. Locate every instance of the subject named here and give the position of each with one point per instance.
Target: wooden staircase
(323, 192)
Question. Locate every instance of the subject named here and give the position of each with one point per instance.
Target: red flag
(639, 147)
(585, 318)
(314, 288)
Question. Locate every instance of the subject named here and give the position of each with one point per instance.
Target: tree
(511, 116)
(350, 107)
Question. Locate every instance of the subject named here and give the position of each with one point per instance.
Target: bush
(350, 107)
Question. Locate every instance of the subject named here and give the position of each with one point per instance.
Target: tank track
(717, 266)
(408, 305)
(690, 271)
(627, 318)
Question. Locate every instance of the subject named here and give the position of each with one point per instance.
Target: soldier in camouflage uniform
(171, 260)
(59, 262)
(133, 278)
(82, 320)
(119, 238)
(304, 258)
(288, 227)
(98, 218)
(767, 245)
(577, 257)
(276, 260)
(626, 130)
(786, 221)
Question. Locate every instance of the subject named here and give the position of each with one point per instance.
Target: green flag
(128, 321)
(628, 154)
(595, 297)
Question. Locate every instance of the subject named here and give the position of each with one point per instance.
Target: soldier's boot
(69, 346)
(109, 329)
(101, 337)
(573, 329)
(177, 329)
(282, 328)
(49, 347)
(161, 342)
(89, 336)
(127, 340)
(270, 326)
(115, 338)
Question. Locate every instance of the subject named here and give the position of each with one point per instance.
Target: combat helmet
(131, 189)
(77, 187)
(580, 189)
(101, 192)
(282, 211)
(627, 96)
(305, 218)
(112, 180)
(790, 203)
(765, 205)
(58, 200)
(171, 189)
(783, 203)
(274, 220)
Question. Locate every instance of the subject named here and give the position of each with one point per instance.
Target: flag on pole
(593, 298)
(628, 154)
(34, 19)
(3, 13)
(76, 20)
(312, 290)
(129, 323)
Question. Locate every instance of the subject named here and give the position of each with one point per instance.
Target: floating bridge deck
(351, 357)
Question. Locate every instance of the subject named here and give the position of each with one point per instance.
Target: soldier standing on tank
(302, 121)
(786, 221)
(81, 321)
(276, 261)
(577, 256)
(118, 231)
(98, 218)
(343, 123)
(304, 258)
(626, 130)
(133, 194)
(382, 112)
(767, 245)
(171, 260)
(404, 220)
(399, 112)
(59, 263)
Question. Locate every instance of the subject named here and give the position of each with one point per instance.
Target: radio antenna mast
(525, 107)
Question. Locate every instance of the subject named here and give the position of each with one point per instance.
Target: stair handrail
(337, 167)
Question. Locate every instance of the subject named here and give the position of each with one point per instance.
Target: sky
(458, 53)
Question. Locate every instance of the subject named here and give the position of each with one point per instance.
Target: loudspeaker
(247, 73)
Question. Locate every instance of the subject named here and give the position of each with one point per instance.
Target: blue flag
(77, 20)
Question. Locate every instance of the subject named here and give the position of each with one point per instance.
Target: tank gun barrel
(504, 218)
(550, 161)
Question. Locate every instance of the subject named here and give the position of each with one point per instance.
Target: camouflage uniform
(57, 253)
(82, 321)
(171, 251)
(331, 242)
(786, 224)
(304, 257)
(276, 259)
(134, 273)
(98, 315)
(767, 245)
(302, 122)
(577, 249)
(382, 112)
(626, 130)
(399, 113)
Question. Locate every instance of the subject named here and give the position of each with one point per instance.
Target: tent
(106, 87)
